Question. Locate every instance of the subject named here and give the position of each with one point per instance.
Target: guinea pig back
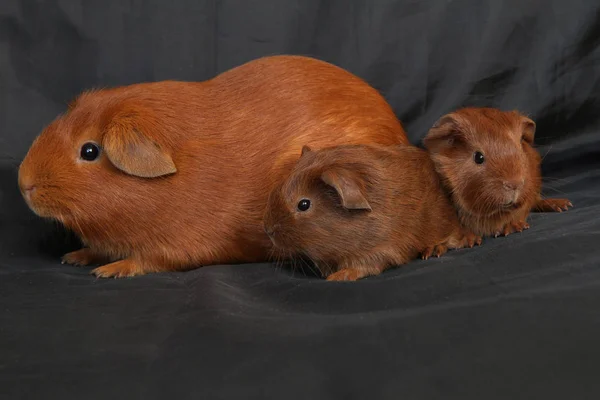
(487, 163)
(356, 210)
(175, 175)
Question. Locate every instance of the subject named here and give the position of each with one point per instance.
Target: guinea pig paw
(346, 274)
(515, 226)
(553, 205)
(559, 205)
(472, 240)
(428, 252)
(79, 258)
(119, 269)
(438, 250)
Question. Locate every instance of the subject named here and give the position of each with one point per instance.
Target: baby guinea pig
(356, 210)
(487, 163)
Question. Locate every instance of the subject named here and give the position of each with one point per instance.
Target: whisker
(291, 260)
(555, 190)
(310, 265)
(297, 266)
(293, 264)
(559, 180)
(550, 148)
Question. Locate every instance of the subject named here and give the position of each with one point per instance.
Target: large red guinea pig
(175, 175)
(486, 160)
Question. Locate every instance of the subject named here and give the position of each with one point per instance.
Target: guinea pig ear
(132, 152)
(445, 131)
(305, 150)
(347, 188)
(528, 129)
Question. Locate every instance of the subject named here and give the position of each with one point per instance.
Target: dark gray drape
(516, 318)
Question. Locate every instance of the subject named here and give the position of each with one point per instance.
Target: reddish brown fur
(371, 207)
(478, 190)
(186, 168)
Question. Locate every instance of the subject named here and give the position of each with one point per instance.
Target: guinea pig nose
(26, 185)
(27, 191)
(29, 188)
(513, 185)
(270, 230)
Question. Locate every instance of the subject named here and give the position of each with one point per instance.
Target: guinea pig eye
(303, 205)
(478, 157)
(89, 151)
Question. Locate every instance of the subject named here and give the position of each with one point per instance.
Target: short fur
(186, 168)
(372, 207)
(494, 197)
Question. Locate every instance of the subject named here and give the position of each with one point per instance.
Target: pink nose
(271, 230)
(28, 190)
(513, 185)
(26, 185)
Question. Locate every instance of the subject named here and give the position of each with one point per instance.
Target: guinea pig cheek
(477, 198)
(44, 199)
(38, 186)
(275, 221)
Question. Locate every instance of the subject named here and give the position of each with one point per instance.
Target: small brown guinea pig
(175, 175)
(357, 210)
(487, 163)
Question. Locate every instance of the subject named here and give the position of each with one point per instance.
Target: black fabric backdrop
(517, 318)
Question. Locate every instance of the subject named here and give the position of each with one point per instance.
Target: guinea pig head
(486, 160)
(321, 209)
(90, 167)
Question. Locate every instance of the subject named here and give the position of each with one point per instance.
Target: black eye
(478, 157)
(303, 205)
(89, 151)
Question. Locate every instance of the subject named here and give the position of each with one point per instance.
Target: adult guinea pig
(357, 210)
(175, 175)
(487, 163)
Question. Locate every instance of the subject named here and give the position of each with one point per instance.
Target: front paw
(119, 269)
(80, 257)
(471, 239)
(512, 227)
(353, 274)
(346, 274)
(438, 250)
(553, 205)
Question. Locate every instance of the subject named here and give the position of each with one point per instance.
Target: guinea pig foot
(119, 269)
(470, 240)
(438, 250)
(349, 274)
(83, 257)
(512, 227)
(552, 205)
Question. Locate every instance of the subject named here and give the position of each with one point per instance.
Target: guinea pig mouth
(280, 241)
(37, 203)
(272, 238)
(271, 232)
(511, 205)
(39, 211)
(29, 197)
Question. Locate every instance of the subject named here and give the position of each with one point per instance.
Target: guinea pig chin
(30, 192)
(40, 201)
(281, 241)
(40, 208)
(511, 200)
(504, 202)
(278, 240)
